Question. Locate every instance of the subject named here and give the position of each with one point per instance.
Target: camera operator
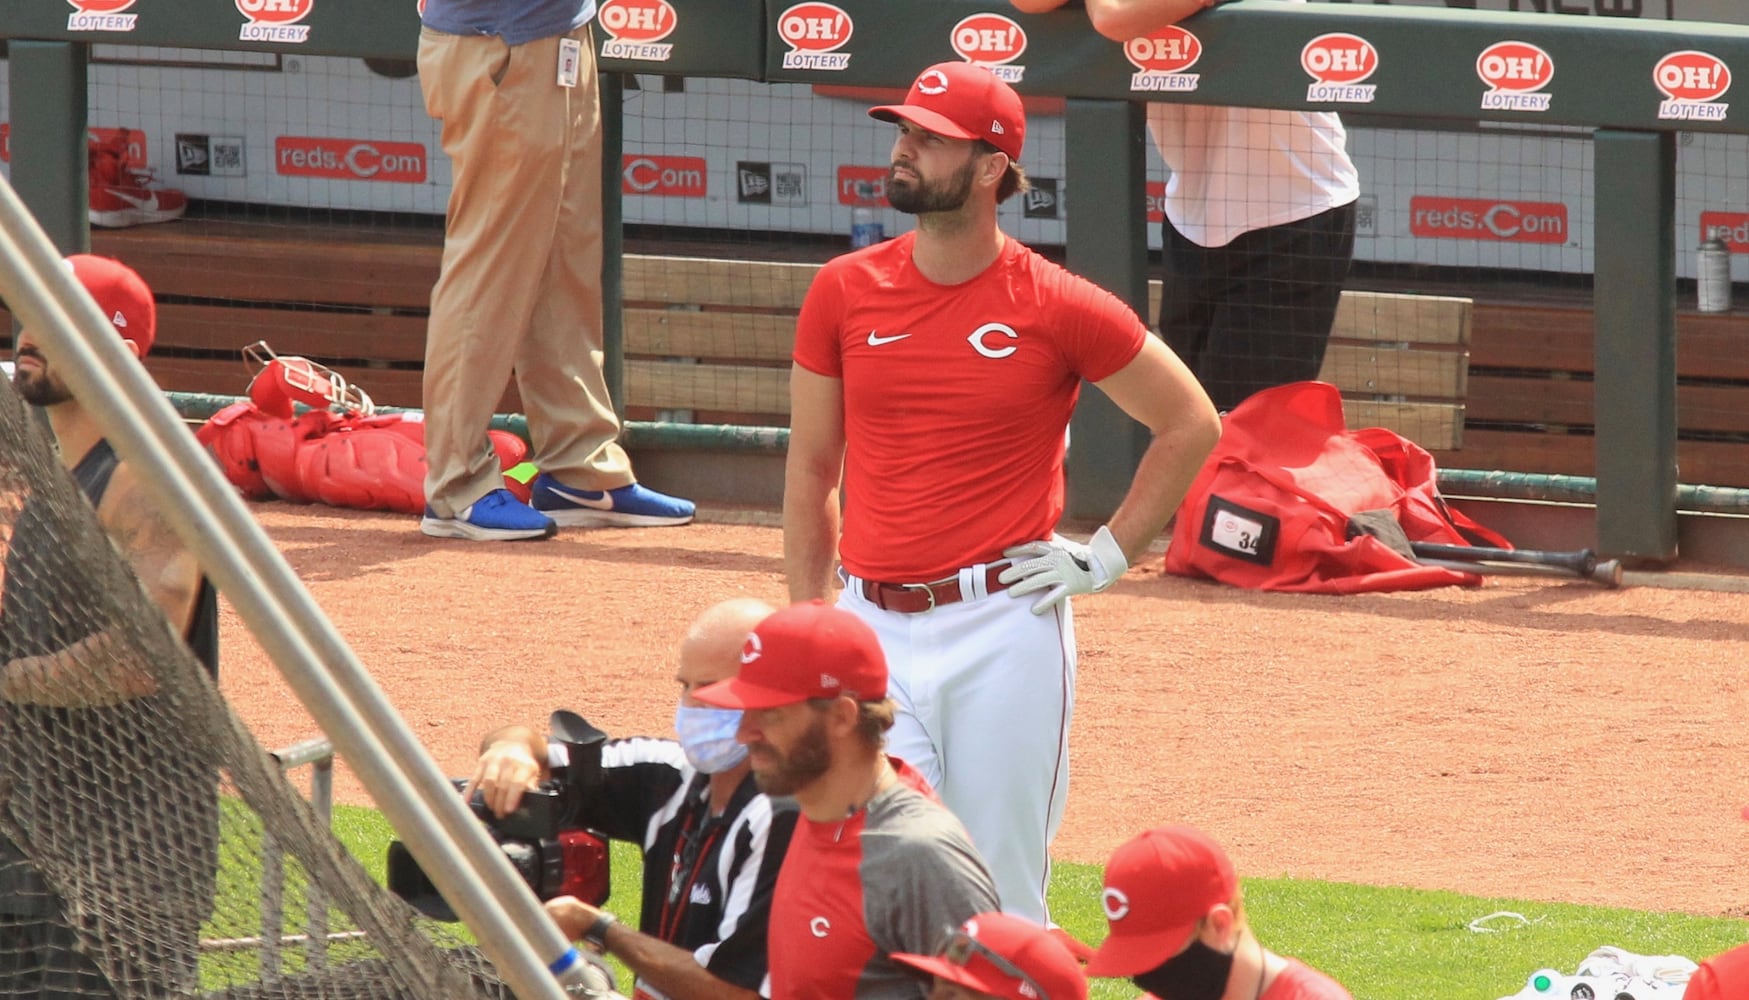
(712, 842)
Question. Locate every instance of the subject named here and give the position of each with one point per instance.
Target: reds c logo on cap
(933, 82)
(751, 649)
(1115, 902)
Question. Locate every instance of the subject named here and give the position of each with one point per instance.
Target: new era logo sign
(119, 320)
(997, 129)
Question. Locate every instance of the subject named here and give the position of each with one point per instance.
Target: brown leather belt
(916, 598)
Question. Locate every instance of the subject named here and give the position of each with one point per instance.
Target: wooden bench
(712, 338)
(707, 339)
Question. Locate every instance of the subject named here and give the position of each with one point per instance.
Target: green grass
(1382, 943)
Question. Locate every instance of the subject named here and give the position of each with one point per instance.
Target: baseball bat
(1582, 563)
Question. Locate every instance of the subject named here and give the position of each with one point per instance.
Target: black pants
(1257, 312)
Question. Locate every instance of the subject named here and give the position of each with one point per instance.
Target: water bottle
(865, 228)
(1713, 275)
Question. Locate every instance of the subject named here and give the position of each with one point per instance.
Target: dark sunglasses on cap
(961, 947)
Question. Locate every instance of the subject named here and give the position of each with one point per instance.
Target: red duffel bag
(1275, 506)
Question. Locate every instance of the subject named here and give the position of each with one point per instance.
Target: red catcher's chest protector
(1270, 509)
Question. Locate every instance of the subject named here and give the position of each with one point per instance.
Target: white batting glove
(1061, 567)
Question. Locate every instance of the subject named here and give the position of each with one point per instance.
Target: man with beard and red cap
(1178, 927)
(71, 680)
(934, 376)
(876, 866)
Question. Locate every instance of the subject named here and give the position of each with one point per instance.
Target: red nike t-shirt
(955, 400)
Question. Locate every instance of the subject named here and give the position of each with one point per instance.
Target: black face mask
(1196, 973)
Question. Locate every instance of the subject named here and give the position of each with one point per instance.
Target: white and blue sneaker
(496, 517)
(631, 506)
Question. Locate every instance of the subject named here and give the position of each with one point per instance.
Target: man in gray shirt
(877, 865)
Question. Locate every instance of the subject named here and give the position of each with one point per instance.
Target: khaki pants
(520, 288)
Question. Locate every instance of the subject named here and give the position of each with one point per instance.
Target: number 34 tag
(1240, 532)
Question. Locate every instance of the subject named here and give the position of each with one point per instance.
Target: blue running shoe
(633, 506)
(496, 517)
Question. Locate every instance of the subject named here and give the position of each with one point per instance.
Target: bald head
(711, 650)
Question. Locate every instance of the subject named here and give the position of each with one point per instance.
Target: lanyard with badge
(570, 57)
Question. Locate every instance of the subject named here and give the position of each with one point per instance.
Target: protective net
(136, 809)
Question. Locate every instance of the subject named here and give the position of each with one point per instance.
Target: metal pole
(450, 844)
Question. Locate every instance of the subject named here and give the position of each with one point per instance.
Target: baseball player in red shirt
(937, 372)
(1178, 927)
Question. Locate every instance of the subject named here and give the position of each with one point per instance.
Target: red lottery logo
(101, 6)
(276, 11)
(815, 27)
(1517, 67)
(1339, 58)
(1692, 76)
(1168, 50)
(638, 20)
(988, 39)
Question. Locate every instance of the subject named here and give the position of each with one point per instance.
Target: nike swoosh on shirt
(876, 341)
(603, 502)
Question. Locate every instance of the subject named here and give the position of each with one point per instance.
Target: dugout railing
(1250, 53)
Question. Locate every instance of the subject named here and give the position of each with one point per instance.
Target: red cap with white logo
(122, 297)
(805, 651)
(963, 100)
(1158, 886)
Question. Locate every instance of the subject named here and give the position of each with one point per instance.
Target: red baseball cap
(122, 297)
(1158, 886)
(1005, 956)
(805, 651)
(963, 100)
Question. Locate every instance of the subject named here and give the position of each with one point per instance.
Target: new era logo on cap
(962, 100)
(121, 294)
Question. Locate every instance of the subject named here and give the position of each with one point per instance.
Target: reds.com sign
(663, 176)
(862, 185)
(349, 159)
(1732, 227)
(1493, 221)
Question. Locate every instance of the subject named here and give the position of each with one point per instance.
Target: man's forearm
(1162, 478)
(810, 535)
(672, 970)
(95, 671)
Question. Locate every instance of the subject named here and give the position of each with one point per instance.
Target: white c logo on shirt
(1117, 905)
(819, 926)
(978, 335)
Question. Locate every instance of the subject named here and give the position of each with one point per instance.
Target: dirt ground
(1527, 738)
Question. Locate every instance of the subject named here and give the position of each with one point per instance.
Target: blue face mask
(707, 736)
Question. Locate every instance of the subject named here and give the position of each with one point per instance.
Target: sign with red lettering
(349, 159)
(663, 176)
(1434, 217)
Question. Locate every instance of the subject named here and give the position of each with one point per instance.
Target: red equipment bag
(1271, 508)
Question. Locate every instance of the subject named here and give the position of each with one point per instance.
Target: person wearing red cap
(876, 866)
(1001, 956)
(937, 372)
(75, 676)
(1723, 977)
(1258, 238)
(1178, 929)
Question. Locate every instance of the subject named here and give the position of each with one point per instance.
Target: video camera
(553, 862)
